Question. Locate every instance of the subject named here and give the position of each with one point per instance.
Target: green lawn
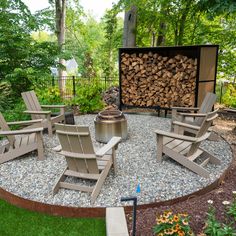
(16, 221)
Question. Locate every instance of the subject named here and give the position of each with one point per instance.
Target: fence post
(73, 78)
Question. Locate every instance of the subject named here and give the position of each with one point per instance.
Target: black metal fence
(71, 84)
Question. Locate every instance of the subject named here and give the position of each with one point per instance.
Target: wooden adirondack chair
(35, 109)
(27, 140)
(196, 119)
(185, 149)
(82, 161)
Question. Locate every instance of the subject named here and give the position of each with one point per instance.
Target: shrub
(16, 113)
(49, 95)
(5, 98)
(172, 224)
(214, 227)
(229, 97)
(88, 97)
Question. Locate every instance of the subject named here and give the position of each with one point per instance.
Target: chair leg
(57, 185)
(183, 160)
(41, 156)
(159, 139)
(213, 159)
(114, 159)
(50, 134)
(100, 181)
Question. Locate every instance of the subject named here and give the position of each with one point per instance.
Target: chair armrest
(112, 143)
(182, 137)
(185, 108)
(38, 112)
(22, 131)
(176, 136)
(25, 122)
(53, 106)
(193, 114)
(77, 155)
(186, 125)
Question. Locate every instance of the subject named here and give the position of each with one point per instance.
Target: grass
(16, 221)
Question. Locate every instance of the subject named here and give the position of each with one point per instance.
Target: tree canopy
(28, 46)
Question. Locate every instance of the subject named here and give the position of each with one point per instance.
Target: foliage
(5, 91)
(15, 113)
(229, 97)
(24, 61)
(113, 33)
(20, 222)
(172, 224)
(49, 95)
(215, 228)
(232, 208)
(88, 97)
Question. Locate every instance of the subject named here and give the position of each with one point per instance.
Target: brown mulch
(197, 207)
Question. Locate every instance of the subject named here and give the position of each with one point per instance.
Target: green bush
(88, 97)
(5, 98)
(229, 97)
(49, 95)
(16, 113)
(215, 228)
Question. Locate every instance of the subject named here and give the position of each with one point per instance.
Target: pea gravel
(137, 164)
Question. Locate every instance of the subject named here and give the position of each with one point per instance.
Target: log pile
(149, 79)
(111, 97)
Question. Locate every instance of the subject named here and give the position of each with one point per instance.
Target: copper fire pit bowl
(109, 124)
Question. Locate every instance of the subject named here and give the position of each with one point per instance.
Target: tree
(130, 24)
(24, 61)
(60, 7)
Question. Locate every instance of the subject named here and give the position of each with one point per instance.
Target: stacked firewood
(149, 79)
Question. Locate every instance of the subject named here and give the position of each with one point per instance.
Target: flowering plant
(172, 224)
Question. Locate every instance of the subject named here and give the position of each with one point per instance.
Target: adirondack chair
(196, 119)
(27, 140)
(185, 149)
(192, 130)
(82, 161)
(36, 111)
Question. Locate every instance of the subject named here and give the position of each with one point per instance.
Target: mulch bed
(197, 207)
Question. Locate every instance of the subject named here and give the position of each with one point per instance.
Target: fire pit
(109, 124)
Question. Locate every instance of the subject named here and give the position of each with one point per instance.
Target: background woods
(30, 44)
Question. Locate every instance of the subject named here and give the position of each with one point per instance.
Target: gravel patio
(136, 160)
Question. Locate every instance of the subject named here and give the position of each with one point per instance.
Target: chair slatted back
(207, 122)
(4, 127)
(206, 106)
(77, 139)
(32, 103)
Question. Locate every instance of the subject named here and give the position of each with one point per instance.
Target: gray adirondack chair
(36, 111)
(179, 113)
(21, 141)
(185, 149)
(82, 161)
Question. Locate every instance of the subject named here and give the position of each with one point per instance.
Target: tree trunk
(60, 32)
(130, 24)
(161, 34)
